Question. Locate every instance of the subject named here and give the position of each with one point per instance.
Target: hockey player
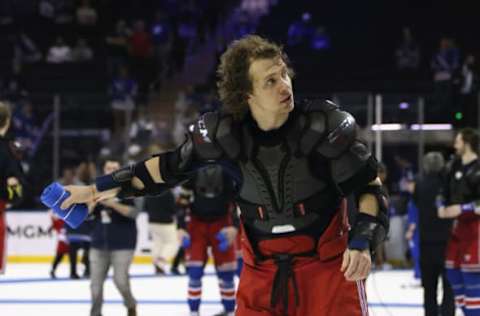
(293, 165)
(62, 243)
(211, 223)
(10, 179)
(461, 200)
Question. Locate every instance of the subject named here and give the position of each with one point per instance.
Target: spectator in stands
(60, 52)
(13, 87)
(407, 54)
(117, 46)
(24, 124)
(161, 32)
(255, 8)
(64, 11)
(46, 9)
(68, 175)
(142, 128)
(123, 91)
(188, 26)
(445, 65)
(185, 114)
(243, 25)
(86, 14)
(141, 50)
(114, 238)
(209, 102)
(320, 40)
(6, 12)
(177, 53)
(140, 41)
(85, 171)
(300, 31)
(433, 233)
(26, 51)
(468, 91)
(81, 52)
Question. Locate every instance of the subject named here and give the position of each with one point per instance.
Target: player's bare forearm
(153, 167)
(92, 194)
(368, 202)
(450, 211)
(98, 196)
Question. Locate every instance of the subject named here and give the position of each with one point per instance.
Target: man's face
(272, 86)
(110, 166)
(459, 145)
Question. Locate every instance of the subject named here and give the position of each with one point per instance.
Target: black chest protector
(287, 180)
(209, 182)
(280, 193)
(464, 182)
(213, 192)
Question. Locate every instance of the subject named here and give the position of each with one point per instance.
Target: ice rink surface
(27, 289)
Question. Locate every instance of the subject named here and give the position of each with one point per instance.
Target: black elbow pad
(122, 178)
(368, 232)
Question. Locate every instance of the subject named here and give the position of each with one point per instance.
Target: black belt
(284, 273)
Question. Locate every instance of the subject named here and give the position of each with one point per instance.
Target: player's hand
(356, 264)
(230, 232)
(441, 211)
(454, 210)
(183, 238)
(79, 194)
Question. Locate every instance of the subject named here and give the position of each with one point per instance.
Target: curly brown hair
(234, 81)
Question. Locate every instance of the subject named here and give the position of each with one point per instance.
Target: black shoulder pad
(316, 123)
(227, 137)
(341, 132)
(204, 137)
(352, 161)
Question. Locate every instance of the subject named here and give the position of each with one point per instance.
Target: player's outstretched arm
(110, 185)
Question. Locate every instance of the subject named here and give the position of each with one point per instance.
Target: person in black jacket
(434, 234)
(162, 227)
(114, 238)
(10, 179)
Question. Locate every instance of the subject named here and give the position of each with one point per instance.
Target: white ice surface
(26, 289)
